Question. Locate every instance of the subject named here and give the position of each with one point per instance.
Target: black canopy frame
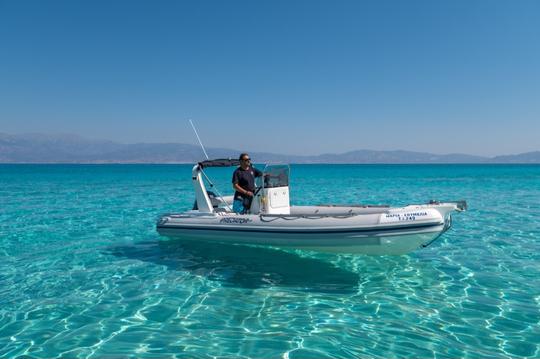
(220, 162)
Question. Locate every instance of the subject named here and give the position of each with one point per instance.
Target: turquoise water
(84, 274)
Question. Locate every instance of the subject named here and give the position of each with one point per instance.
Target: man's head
(245, 161)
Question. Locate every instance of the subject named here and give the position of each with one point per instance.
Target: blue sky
(279, 76)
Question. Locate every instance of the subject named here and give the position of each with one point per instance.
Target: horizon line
(265, 152)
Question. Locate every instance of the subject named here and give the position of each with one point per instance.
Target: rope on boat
(274, 217)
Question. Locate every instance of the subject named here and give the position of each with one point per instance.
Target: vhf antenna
(198, 138)
(208, 179)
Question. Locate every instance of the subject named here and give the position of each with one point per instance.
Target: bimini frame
(204, 204)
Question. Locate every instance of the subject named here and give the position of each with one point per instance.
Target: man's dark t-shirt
(246, 180)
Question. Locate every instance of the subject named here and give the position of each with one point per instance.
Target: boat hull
(357, 234)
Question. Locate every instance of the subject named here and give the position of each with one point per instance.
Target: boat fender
(264, 199)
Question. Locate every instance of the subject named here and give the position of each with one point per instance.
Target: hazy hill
(368, 156)
(39, 148)
(528, 157)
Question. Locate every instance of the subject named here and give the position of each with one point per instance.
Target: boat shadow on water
(243, 266)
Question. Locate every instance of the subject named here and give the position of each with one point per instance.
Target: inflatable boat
(272, 221)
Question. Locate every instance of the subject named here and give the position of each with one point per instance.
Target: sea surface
(83, 273)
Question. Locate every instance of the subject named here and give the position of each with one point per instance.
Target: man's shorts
(238, 206)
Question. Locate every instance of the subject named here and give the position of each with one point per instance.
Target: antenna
(198, 138)
(200, 169)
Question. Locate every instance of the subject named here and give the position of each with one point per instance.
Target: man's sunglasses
(246, 159)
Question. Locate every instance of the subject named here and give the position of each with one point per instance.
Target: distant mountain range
(40, 148)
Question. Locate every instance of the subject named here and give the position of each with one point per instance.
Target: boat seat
(213, 199)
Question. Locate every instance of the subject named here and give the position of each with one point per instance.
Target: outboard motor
(272, 196)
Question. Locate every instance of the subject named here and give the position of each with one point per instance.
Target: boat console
(272, 195)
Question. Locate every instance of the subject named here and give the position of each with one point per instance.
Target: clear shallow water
(84, 274)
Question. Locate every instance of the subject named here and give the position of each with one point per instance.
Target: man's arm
(237, 187)
(235, 180)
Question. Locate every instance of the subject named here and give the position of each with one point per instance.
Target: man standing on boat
(244, 184)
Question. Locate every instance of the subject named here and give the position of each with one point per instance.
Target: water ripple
(83, 273)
